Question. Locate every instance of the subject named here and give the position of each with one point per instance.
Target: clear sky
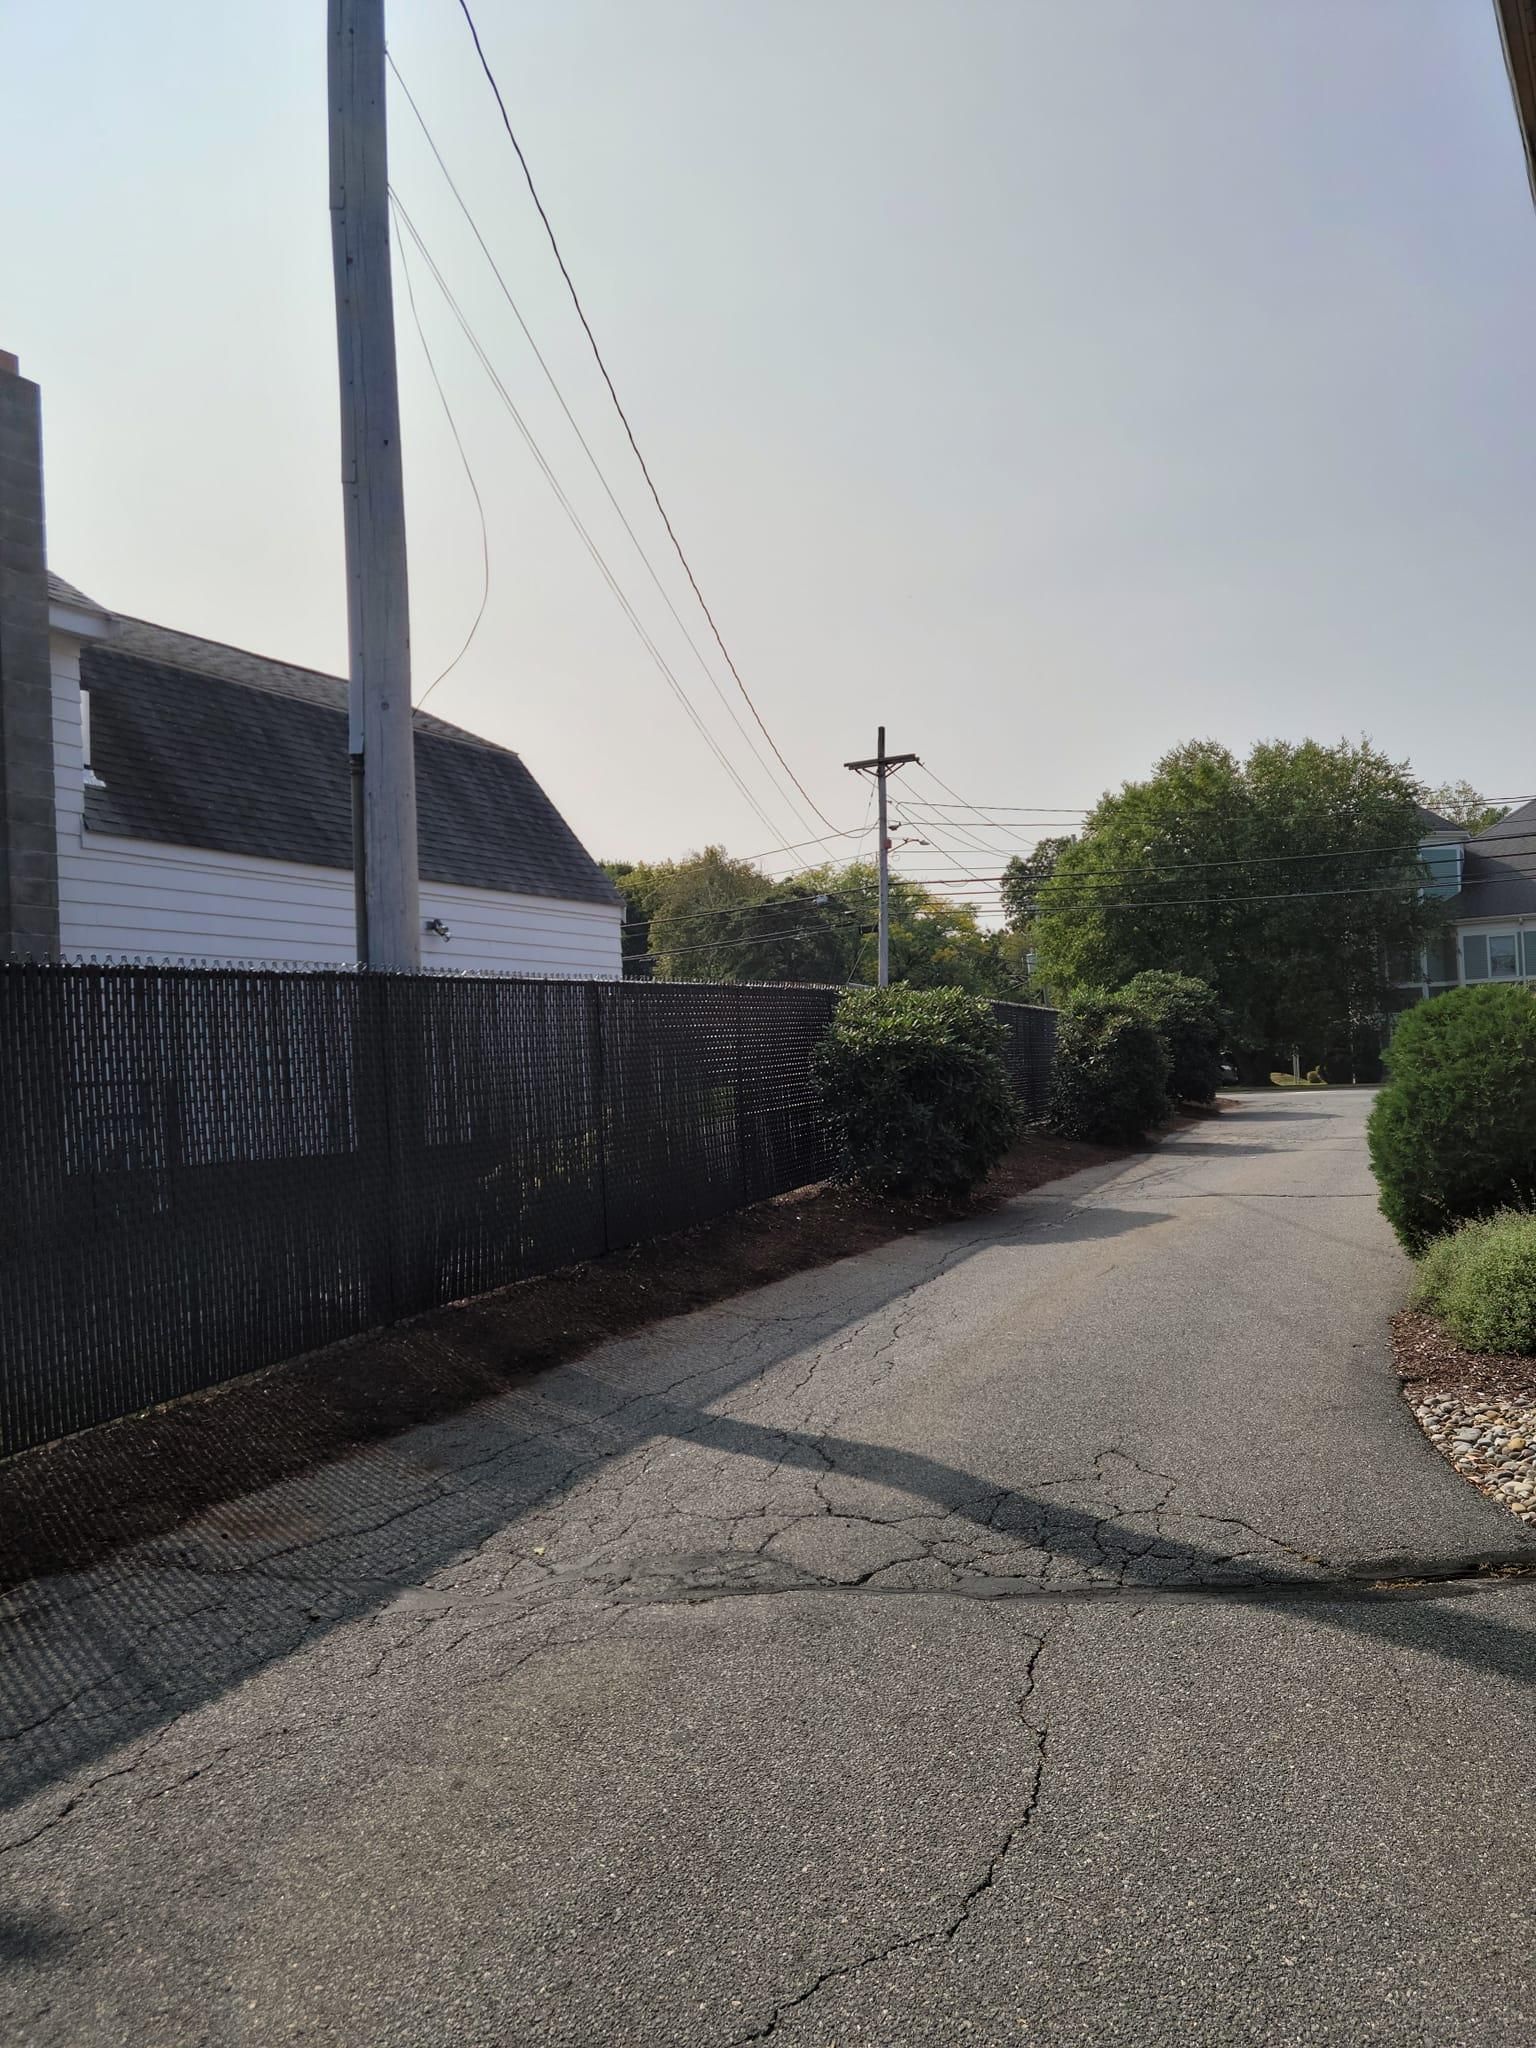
(1053, 380)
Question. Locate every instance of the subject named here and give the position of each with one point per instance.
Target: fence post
(598, 1065)
(376, 1141)
(746, 1182)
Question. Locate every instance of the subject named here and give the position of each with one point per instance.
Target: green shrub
(914, 1083)
(1453, 1134)
(1186, 1015)
(1110, 1081)
(1481, 1281)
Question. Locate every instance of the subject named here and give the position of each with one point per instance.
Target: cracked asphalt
(1046, 1629)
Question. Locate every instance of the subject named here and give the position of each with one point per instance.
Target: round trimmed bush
(1186, 1015)
(1453, 1134)
(1110, 1080)
(1481, 1282)
(915, 1086)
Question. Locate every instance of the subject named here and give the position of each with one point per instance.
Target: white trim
(76, 622)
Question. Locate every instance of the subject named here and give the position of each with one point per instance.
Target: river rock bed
(1478, 1411)
(1489, 1440)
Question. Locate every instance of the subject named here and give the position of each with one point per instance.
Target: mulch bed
(1477, 1409)
(67, 1503)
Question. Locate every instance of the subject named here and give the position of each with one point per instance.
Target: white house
(169, 798)
(203, 811)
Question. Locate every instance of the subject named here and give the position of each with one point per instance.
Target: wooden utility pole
(373, 494)
(880, 767)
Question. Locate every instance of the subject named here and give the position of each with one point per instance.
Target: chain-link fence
(203, 1171)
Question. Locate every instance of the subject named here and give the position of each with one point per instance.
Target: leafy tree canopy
(1023, 879)
(1463, 805)
(1283, 881)
(712, 917)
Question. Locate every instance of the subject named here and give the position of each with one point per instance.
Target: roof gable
(1431, 821)
(1499, 870)
(226, 751)
(1519, 823)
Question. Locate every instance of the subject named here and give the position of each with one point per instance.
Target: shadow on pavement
(1274, 1113)
(93, 1659)
(1213, 1148)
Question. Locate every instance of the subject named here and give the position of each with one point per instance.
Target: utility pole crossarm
(880, 766)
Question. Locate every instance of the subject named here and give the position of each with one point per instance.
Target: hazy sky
(1053, 380)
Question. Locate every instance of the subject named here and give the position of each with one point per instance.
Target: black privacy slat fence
(206, 1170)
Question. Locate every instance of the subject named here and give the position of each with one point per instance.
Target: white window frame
(1515, 933)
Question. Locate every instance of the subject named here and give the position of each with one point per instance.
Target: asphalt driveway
(981, 1640)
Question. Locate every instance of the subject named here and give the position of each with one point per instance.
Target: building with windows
(1487, 883)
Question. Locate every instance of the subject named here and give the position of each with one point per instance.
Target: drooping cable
(655, 653)
(586, 449)
(570, 285)
(485, 543)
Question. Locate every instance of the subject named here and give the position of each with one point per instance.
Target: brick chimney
(29, 857)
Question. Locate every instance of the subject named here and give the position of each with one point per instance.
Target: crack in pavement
(575, 1473)
(969, 1899)
(1420, 1583)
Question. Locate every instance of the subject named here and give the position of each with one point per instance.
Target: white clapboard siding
(136, 899)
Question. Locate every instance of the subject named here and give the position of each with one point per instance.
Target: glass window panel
(1441, 956)
(1474, 956)
(1503, 956)
(1529, 938)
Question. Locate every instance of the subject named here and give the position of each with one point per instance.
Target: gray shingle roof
(66, 593)
(1431, 821)
(1499, 869)
(204, 745)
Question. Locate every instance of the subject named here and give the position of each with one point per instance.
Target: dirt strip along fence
(206, 1170)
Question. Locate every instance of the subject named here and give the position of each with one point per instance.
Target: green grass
(1481, 1282)
(1290, 1081)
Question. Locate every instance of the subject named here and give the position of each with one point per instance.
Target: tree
(1462, 804)
(1025, 876)
(934, 943)
(630, 879)
(714, 918)
(1282, 881)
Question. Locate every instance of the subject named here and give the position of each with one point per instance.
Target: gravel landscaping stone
(1478, 1411)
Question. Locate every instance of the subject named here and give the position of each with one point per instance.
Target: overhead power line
(1147, 871)
(655, 653)
(708, 945)
(485, 542)
(847, 832)
(1025, 834)
(1086, 810)
(938, 847)
(1067, 900)
(1036, 810)
(586, 449)
(966, 838)
(645, 471)
(831, 901)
